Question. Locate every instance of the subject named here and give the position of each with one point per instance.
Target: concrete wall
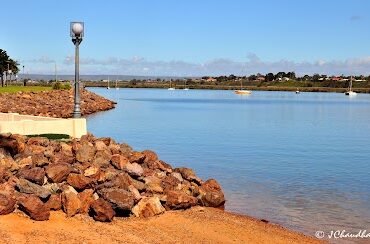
(34, 125)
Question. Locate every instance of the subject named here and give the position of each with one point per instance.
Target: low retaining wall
(35, 125)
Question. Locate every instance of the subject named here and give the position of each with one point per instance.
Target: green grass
(12, 89)
(52, 136)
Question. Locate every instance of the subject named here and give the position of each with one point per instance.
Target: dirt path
(197, 225)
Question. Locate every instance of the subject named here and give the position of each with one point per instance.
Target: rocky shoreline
(96, 177)
(55, 103)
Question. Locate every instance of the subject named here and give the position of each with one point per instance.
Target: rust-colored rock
(86, 198)
(35, 175)
(119, 198)
(79, 181)
(148, 207)
(179, 200)
(86, 153)
(102, 210)
(137, 157)
(34, 207)
(58, 172)
(150, 156)
(210, 194)
(71, 203)
(54, 202)
(119, 161)
(7, 204)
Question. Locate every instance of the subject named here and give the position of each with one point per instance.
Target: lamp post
(77, 33)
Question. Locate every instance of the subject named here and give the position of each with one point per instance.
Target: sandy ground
(197, 225)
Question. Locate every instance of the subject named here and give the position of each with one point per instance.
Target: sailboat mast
(350, 84)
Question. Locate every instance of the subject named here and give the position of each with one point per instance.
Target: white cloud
(141, 66)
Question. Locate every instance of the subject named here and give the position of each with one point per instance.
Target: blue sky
(192, 37)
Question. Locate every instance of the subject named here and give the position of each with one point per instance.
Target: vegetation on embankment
(14, 89)
(264, 86)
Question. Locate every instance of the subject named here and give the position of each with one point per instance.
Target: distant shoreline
(225, 87)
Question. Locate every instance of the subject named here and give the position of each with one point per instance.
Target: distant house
(261, 78)
(286, 79)
(211, 79)
(336, 78)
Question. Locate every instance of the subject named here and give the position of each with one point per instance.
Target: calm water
(302, 161)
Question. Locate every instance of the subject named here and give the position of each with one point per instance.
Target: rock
(148, 207)
(100, 145)
(140, 186)
(92, 171)
(34, 207)
(210, 194)
(179, 200)
(71, 203)
(137, 157)
(134, 169)
(40, 160)
(7, 204)
(119, 161)
(114, 148)
(58, 172)
(24, 161)
(15, 144)
(53, 188)
(102, 158)
(86, 153)
(158, 165)
(153, 184)
(150, 156)
(35, 175)
(119, 198)
(188, 174)
(125, 149)
(40, 141)
(28, 187)
(54, 202)
(86, 198)
(79, 181)
(102, 210)
(177, 176)
(170, 183)
(134, 192)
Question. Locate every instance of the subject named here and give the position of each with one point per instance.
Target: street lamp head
(77, 29)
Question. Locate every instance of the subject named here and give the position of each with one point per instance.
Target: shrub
(61, 86)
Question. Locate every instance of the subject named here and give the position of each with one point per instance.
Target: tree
(4, 58)
(269, 77)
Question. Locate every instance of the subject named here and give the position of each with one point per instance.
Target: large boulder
(58, 172)
(79, 181)
(102, 210)
(153, 184)
(7, 204)
(35, 174)
(28, 187)
(210, 194)
(119, 198)
(13, 143)
(33, 207)
(134, 169)
(148, 207)
(86, 198)
(102, 158)
(71, 203)
(119, 161)
(86, 152)
(179, 200)
(150, 156)
(188, 174)
(54, 202)
(137, 157)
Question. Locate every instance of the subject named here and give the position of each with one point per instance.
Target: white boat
(117, 88)
(297, 91)
(171, 88)
(241, 91)
(350, 92)
(185, 88)
(108, 84)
